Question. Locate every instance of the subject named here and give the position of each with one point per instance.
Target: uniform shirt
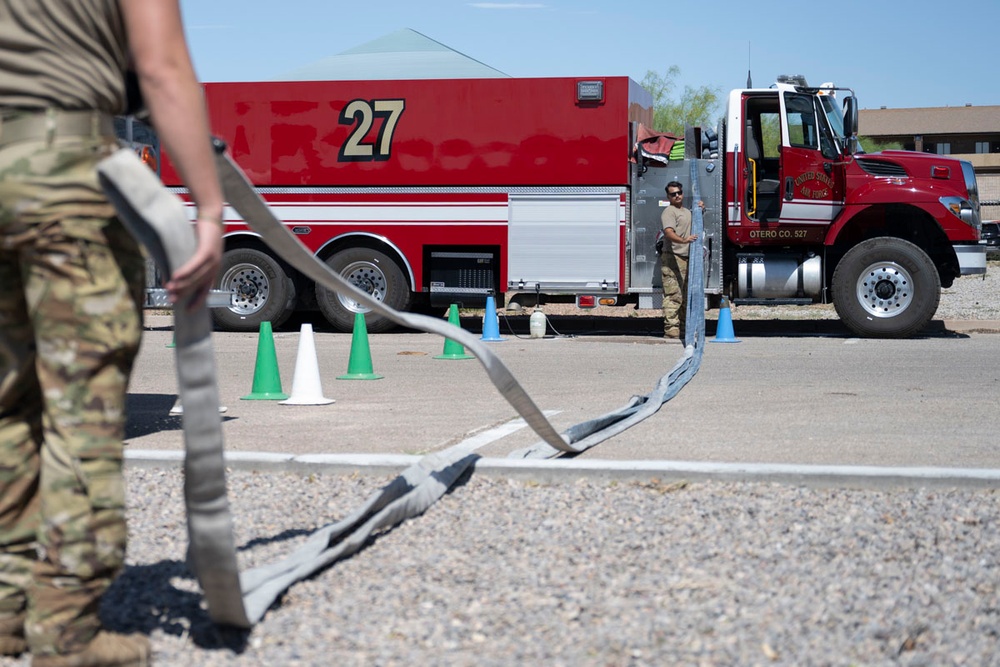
(67, 54)
(678, 219)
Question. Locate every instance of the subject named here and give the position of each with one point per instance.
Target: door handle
(789, 186)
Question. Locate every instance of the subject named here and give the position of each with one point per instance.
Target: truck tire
(370, 271)
(886, 288)
(262, 291)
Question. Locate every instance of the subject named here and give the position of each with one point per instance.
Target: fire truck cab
(795, 214)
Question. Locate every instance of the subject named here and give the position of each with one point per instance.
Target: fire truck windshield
(834, 114)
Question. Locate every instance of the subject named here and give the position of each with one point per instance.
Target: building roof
(404, 54)
(930, 120)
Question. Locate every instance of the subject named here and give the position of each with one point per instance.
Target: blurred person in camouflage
(70, 305)
(677, 239)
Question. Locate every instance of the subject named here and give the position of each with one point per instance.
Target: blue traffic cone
(491, 325)
(724, 328)
(453, 349)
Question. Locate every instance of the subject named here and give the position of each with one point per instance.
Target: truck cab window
(800, 115)
(834, 114)
(827, 142)
(770, 125)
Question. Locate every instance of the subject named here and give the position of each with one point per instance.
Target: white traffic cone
(306, 388)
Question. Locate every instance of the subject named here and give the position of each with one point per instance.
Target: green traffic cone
(453, 350)
(266, 380)
(359, 366)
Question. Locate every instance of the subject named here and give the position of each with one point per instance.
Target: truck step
(773, 302)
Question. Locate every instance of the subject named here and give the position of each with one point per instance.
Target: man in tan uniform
(70, 303)
(676, 221)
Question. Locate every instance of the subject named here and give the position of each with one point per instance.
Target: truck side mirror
(851, 124)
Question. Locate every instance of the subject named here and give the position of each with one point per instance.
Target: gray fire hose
(157, 219)
(585, 435)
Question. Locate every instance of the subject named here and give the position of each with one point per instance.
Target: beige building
(970, 133)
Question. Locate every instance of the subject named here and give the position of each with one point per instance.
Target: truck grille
(880, 167)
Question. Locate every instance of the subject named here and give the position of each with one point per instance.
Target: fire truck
(430, 192)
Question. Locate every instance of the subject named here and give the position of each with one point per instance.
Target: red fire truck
(430, 192)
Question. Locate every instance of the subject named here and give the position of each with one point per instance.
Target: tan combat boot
(106, 649)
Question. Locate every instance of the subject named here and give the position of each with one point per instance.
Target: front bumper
(971, 258)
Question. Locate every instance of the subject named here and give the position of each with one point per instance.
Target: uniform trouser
(673, 270)
(70, 326)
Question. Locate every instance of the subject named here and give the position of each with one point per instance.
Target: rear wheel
(372, 272)
(886, 288)
(261, 291)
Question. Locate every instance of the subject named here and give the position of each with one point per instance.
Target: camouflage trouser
(71, 282)
(673, 270)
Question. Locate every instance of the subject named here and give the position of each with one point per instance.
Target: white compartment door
(567, 243)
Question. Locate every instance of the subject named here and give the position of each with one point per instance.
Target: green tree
(872, 146)
(695, 106)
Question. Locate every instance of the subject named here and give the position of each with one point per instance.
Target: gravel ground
(590, 573)
(512, 573)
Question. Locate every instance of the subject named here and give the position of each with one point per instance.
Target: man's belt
(33, 124)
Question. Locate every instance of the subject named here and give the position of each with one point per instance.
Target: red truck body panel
(448, 133)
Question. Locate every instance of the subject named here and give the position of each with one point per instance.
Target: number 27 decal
(361, 114)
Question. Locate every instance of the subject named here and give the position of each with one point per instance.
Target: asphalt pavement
(792, 400)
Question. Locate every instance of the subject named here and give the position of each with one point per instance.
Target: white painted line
(262, 457)
(492, 435)
(760, 472)
(748, 468)
(352, 460)
(562, 469)
(470, 444)
(163, 455)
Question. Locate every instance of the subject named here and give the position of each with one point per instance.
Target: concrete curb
(564, 470)
(972, 326)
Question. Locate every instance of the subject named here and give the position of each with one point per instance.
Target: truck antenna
(749, 80)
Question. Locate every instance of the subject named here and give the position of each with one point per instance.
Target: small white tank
(536, 324)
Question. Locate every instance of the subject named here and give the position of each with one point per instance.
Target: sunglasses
(676, 193)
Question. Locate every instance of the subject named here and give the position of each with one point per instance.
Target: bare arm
(671, 234)
(174, 97)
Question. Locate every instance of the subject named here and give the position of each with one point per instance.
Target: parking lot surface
(806, 393)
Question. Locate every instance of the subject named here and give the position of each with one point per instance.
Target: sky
(892, 53)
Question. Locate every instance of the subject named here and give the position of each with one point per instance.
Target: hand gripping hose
(156, 217)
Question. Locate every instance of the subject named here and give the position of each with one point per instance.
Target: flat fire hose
(581, 437)
(158, 220)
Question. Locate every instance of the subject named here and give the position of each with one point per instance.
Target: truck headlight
(961, 209)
